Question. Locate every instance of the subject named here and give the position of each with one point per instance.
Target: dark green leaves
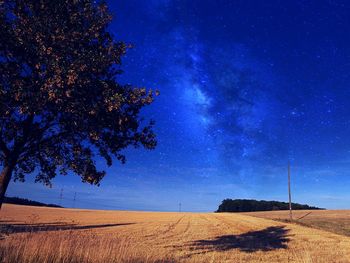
(60, 103)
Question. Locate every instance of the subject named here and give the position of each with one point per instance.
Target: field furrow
(34, 234)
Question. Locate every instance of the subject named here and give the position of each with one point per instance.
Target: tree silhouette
(60, 102)
(250, 205)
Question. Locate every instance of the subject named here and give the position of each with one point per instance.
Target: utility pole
(179, 207)
(61, 196)
(75, 195)
(290, 195)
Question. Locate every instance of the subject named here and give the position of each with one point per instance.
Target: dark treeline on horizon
(251, 205)
(23, 201)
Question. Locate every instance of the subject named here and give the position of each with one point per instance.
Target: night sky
(244, 87)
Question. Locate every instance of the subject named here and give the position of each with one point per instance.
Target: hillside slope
(336, 221)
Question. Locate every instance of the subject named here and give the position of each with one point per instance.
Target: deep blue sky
(245, 86)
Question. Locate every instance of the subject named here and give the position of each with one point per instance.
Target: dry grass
(32, 234)
(336, 221)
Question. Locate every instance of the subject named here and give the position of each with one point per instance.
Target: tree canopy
(246, 205)
(60, 102)
(24, 201)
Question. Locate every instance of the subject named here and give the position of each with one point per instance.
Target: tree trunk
(5, 178)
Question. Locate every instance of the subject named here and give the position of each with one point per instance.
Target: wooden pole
(61, 196)
(75, 195)
(290, 195)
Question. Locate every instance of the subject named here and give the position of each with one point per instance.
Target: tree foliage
(24, 201)
(60, 102)
(245, 205)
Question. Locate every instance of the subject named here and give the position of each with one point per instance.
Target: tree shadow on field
(11, 228)
(268, 239)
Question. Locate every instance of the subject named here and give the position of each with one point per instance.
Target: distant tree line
(23, 201)
(250, 205)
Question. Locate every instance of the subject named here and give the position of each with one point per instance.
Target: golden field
(36, 234)
(336, 221)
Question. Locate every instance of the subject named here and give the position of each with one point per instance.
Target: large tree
(60, 102)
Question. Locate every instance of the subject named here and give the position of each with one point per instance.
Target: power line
(75, 195)
(61, 196)
(289, 194)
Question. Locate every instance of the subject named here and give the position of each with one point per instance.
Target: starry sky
(244, 87)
